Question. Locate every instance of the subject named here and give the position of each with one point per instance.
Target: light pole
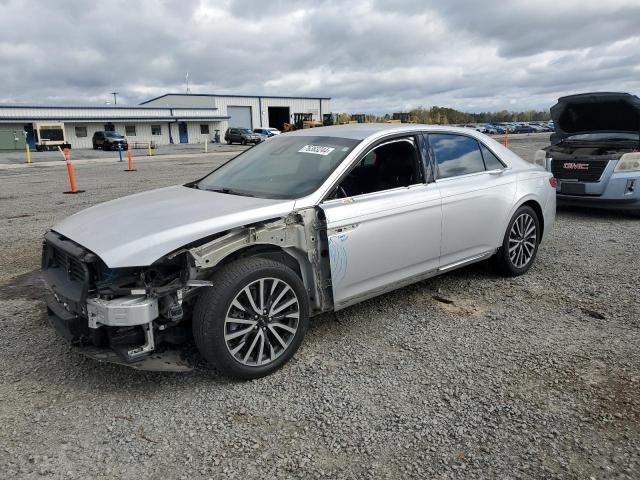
(115, 98)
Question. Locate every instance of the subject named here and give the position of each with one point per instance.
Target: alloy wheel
(522, 240)
(261, 321)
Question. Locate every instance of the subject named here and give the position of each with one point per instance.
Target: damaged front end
(140, 316)
(115, 315)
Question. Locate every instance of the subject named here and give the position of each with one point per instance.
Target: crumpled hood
(139, 229)
(596, 112)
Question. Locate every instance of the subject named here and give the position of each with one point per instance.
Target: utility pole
(115, 99)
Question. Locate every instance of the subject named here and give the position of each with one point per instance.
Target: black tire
(229, 142)
(214, 303)
(503, 259)
(243, 142)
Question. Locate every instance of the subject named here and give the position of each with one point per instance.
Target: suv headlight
(629, 162)
(540, 158)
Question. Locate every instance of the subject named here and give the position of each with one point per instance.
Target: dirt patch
(28, 286)
(452, 305)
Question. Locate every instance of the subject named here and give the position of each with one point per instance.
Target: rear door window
(490, 160)
(456, 155)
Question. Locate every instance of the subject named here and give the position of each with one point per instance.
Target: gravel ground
(468, 375)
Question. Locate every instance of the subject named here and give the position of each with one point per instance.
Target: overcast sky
(369, 56)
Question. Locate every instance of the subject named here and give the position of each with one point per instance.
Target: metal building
(139, 124)
(248, 111)
(170, 118)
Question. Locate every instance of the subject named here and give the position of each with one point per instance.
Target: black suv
(109, 141)
(241, 135)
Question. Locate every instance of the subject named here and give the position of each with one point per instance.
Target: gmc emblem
(575, 166)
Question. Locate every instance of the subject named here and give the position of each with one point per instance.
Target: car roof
(373, 131)
(361, 131)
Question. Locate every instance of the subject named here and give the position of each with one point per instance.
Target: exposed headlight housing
(540, 158)
(629, 162)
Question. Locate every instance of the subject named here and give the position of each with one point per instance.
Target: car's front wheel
(253, 319)
(520, 243)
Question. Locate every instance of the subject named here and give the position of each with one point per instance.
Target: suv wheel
(253, 319)
(244, 141)
(520, 243)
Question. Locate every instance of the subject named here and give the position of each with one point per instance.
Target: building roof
(91, 113)
(101, 107)
(233, 96)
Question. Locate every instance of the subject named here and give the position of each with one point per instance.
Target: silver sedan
(308, 222)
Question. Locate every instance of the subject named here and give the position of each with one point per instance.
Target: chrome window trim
(349, 200)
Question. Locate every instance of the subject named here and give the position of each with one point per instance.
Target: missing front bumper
(76, 332)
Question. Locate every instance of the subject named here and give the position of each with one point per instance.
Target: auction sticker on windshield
(316, 149)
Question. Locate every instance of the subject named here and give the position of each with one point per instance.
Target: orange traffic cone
(129, 160)
(72, 177)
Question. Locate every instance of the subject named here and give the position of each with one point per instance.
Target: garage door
(240, 117)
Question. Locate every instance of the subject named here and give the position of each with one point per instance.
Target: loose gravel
(469, 375)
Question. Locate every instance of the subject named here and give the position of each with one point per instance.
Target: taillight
(553, 181)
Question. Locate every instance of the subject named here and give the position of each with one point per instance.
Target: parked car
(308, 222)
(594, 150)
(267, 132)
(109, 141)
(477, 128)
(241, 135)
(489, 129)
(523, 128)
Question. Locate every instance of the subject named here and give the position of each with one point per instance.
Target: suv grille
(73, 266)
(583, 171)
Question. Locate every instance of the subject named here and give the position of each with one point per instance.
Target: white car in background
(309, 222)
(267, 132)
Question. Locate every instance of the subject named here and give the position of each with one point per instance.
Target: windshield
(113, 135)
(284, 167)
(605, 136)
(245, 130)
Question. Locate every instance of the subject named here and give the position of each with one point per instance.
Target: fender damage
(140, 316)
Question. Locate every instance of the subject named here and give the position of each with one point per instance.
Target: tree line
(444, 115)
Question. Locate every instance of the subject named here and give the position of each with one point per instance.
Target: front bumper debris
(75, 330)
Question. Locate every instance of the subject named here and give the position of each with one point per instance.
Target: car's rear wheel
(520, 243)
(253, 319)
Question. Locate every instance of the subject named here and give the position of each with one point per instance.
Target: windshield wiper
(230, 191)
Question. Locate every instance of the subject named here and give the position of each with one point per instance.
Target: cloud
(369, 56)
